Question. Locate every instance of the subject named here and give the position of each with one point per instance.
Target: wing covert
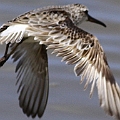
(37, 23)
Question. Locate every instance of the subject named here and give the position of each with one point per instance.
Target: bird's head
(79, 13)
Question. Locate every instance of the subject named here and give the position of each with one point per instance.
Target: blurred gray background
(67, 99)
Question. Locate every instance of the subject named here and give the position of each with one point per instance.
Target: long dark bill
(91, 19)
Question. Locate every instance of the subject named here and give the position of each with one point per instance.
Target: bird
(29, 36)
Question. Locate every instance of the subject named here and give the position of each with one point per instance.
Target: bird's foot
(3, 60)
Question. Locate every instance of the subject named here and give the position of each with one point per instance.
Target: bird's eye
(86, 11)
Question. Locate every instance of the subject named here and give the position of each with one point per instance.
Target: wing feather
(90, 62)
(32, 77)
(32, 24)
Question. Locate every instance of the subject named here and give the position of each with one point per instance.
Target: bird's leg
(4, 58)
(6, 54)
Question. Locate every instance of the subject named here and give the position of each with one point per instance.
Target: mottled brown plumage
(30, 34)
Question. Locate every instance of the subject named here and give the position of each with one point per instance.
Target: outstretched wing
(32, 76)
(83, 49)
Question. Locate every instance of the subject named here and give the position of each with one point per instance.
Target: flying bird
(30, 35)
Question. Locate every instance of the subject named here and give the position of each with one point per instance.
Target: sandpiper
(55, 27)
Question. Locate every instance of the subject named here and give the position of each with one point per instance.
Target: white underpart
(13, 33)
